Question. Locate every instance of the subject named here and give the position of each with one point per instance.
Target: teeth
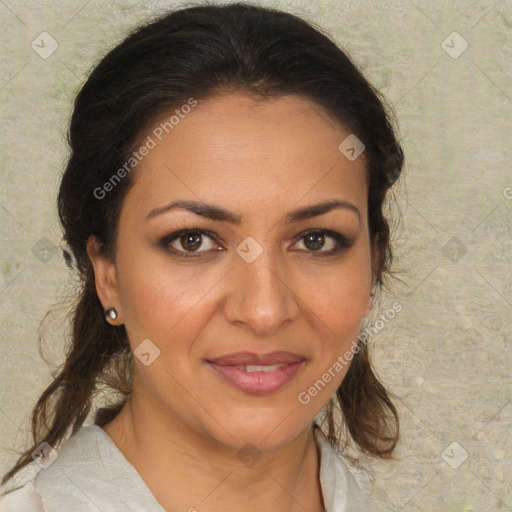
(250, 368)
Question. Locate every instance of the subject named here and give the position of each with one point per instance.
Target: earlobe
(105, 279)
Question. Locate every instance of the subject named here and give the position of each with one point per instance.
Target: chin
(264, 430)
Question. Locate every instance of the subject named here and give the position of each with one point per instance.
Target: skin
(184, 424)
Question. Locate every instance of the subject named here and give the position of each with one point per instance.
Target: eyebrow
(218, 213)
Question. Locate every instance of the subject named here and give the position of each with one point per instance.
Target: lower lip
(257, 383)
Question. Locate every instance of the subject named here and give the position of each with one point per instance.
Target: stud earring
(111, 313)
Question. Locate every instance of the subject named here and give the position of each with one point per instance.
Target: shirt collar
(90, 466)
(339, 488)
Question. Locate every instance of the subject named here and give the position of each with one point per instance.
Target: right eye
(188, 241)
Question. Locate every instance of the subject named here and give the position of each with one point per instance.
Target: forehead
(237, 149)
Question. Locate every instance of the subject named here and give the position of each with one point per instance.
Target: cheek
(337, 303)
(337, 322)
(339, 298)
(160, 299)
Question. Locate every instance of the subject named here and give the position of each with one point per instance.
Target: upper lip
(249, 358)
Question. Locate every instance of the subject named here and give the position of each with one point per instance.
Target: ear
(105, 279)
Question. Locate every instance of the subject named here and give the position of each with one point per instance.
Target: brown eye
(190, 241)
(314, 241)
(323, 242)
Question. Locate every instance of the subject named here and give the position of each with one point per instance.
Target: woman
(223, 203)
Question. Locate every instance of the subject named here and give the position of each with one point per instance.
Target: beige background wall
(447, 354)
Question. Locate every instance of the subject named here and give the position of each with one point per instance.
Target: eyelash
(342, 242)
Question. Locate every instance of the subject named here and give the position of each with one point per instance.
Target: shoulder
(89, 469)
(32, 495)
(23, 499)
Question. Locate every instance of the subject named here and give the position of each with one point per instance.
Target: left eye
(325, 242)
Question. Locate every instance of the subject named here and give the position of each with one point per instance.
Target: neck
(187, 470)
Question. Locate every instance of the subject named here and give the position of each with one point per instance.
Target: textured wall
(447, 354)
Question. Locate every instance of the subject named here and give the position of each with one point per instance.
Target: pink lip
(257, 383)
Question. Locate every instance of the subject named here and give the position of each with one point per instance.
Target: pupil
(187, 241)
(317, 241)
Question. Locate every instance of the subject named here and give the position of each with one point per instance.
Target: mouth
(258, 374)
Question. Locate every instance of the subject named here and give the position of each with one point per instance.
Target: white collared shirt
(90, 474)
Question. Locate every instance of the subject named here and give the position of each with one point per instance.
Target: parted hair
(197, 52)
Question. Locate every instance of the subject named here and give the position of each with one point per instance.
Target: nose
(261, 296)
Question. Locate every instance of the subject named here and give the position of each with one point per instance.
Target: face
(248, 296)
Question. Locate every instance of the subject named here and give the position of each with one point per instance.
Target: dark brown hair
(195, 53)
